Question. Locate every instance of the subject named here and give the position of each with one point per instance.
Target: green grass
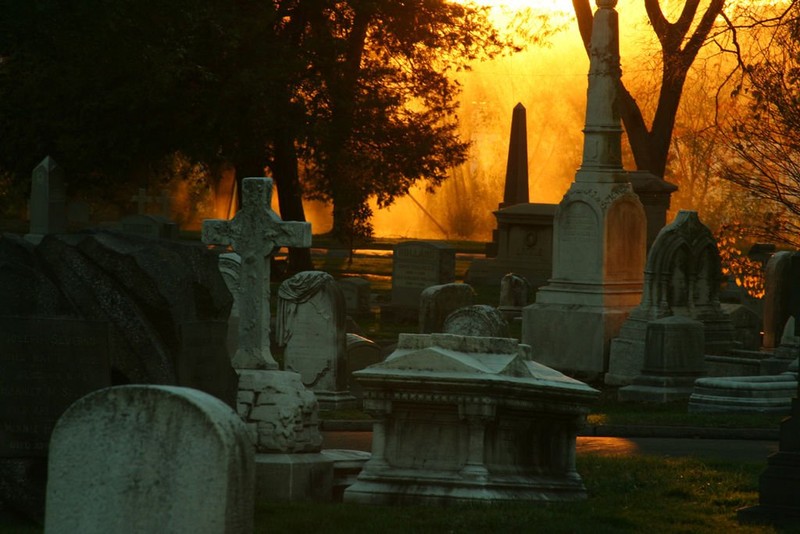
(609, 411)
(626, 494)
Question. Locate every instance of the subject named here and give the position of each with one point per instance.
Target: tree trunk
(290, 198)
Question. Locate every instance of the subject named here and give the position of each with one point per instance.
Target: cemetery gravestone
(48, 202)
(600, 232)
(478, 320)
(682, 277)
(515, 293)
(437, 302)
(356, 293)
(135, 459)
(254, 233)
(142, 200)
(417, 265)
(673, 360)
(311, 327)
(361, 353)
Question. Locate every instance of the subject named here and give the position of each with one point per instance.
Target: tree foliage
(342, 100)
(764, 143)
(680, 42)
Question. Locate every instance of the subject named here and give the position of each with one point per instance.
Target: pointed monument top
(602, 146)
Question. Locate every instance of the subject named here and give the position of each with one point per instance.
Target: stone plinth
(673, 361)
(597, 278)
(744, 394)
(469, 419)
(282, 418)
(524, 246)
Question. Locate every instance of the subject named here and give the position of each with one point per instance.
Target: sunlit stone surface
(599, 236)
(469, 419)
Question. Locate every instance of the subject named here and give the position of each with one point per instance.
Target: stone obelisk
(516, 190)
(599, 234)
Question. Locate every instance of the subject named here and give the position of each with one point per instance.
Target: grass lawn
(626, 494)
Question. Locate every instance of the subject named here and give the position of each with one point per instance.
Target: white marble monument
(280, 413)
(600, 232)
(464, 419)
(311, 326)
(254, 233)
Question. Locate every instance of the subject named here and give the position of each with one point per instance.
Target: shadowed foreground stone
(133, 459)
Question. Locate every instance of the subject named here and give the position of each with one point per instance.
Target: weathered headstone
(437, 302)
(478, 320)
(673, 360)
(48, 202)
(504, 426)
(135, 459)
(143, 289)
(356, 293)
(254, 233)
(361, 353)
(417, 265)
(515, 294)
(311, 326)
(682, 277)
(600, 232)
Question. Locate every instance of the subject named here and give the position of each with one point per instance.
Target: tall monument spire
(602, 141)
(599, 233)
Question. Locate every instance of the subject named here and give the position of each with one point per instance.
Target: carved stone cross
(141, 200)
(254, 233)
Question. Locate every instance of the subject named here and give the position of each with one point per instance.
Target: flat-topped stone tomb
(464, 419)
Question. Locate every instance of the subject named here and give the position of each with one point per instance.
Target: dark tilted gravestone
(361, 353)
(356, 293)
(437, 302)
(147, 293)
(479, 320)
(141, 458)
(45, 365)
(417, 265)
